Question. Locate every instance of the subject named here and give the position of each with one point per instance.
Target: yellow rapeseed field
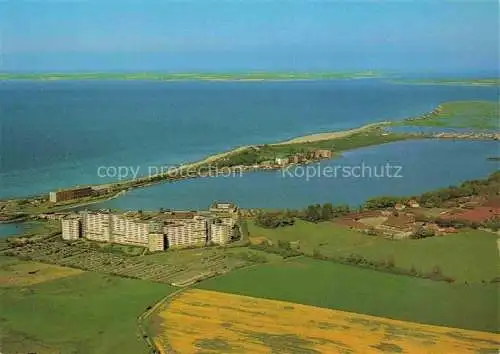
(28, 273)
(200, 321)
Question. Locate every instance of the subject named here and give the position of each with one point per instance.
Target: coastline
(372, 134)
(451, 82)
(331, 135)
(208, 76)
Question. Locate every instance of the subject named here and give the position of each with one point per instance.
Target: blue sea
(57, 134)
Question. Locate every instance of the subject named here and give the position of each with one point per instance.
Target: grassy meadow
(73, 313)
(14, 272)
(462, 114)
(468, 256)
(213, 322)
(341, 287)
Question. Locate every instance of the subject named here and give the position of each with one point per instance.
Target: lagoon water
(58, 133)
(11, 229)
(425, 165)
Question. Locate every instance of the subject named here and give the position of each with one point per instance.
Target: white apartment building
(107, 227)
(229, 221)
(129, 231)
(224, 207)
(186, 232)
(220, 233)
(71, 228)
(96, 226)
(282, 161)
(156, 242)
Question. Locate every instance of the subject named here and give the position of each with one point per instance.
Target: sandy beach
(330, 135)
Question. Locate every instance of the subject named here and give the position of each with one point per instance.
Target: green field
(470, 255)
(462, 114)
(341, 287)
(86, 313)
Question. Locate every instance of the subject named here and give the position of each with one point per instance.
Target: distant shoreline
(449, 82)
(173, 77)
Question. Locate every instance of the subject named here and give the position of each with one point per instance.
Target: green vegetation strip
(449, 81)
(190, 76)
(268, 152)
(460, 114)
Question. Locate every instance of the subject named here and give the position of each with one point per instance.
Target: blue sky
(205, 35)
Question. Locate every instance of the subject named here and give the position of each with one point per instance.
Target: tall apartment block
(96, 226)
(220, 233)
(225, 215)
(156, 241)
(224, 207)
(71, 228)
(187, 232)
(129, 231)
(108, 227)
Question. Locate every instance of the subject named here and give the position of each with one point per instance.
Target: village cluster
(409, 220)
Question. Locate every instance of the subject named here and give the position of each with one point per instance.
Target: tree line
(487, 187)
(312, 213)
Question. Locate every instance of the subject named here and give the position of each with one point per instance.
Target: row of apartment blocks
(166, 230)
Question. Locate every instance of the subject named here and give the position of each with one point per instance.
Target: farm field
(84, 313)
(213, 322)
(341, 287)
(14, 272)
(456, 254)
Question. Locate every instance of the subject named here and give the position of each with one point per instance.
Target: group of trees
(383, 202)
(488, 187)
(283, 248)
(493, 223)
(313, 213)
(423, 232)
(385, 265)
(273, 220)
(317, 212)
(327, 211)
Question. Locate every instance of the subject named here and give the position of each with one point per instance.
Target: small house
(413, 204)
(399, 206)
(322, 154)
